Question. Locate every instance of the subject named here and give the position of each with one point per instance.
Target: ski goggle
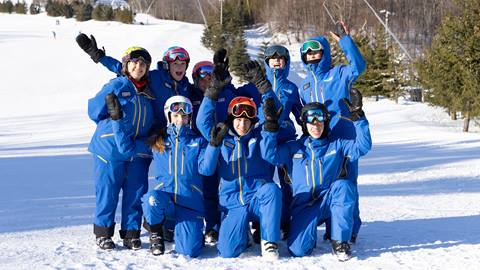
(276, 50)
(244, 109)
(137, 55)
(178, 107)
(311, 45)
(314, 114)
(204, 71)
(174, 54)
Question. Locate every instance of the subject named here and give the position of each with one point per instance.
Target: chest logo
(306, 86)
(126, 94)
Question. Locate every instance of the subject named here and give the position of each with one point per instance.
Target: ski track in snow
(419, 186)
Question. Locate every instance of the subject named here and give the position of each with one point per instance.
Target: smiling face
(241, 125)
(276, 62)
(136, 69)
(315, 129)
(203, 83)
(177, 69)
(313, 55)
(179, 119)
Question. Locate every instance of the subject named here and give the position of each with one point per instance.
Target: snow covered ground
(419, 186)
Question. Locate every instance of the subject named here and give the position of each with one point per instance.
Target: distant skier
(178, 192)
(329, 86)
(123, 113)
(314, 163)
(54, 35)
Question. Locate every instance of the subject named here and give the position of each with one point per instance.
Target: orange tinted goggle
(243, 109)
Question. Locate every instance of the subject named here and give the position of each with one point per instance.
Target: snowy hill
(419, 186)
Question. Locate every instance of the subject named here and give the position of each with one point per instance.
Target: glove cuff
(271, 126)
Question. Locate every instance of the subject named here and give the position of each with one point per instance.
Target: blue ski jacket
(241, 167)
(314, 164)
(125, 138)
(177, 170)
(161, 83)
(286, 91)
(329, 85)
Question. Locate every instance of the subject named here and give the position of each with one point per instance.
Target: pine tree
(21, 8)
(451, 66)
(34, 8)
(84, 12)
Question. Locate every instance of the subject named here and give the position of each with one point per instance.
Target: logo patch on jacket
(328, 79)
(221, 100)
(298, 155)
(228, 144)
(167, 143)
(306, 86)
(333, 152)
(126, 94)
(193, 144)
(197, 102)
(168, 85)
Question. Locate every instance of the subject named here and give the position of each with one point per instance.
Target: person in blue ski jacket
(329, 86)
(314, 163)
(167, 80)
(178, 161)
(123, 113)
(246, 191)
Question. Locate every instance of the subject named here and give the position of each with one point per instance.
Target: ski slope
(419, 186)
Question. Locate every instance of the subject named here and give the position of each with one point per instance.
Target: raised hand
(89, 45)
(253, 73)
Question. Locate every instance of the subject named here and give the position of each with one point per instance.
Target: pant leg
(109, 176)
(134, 187)
(188, 232)
(341, 199)
(287, 194)
(302, 237)
(210, 198)
(267, 205)
(352, 170)
(233, 236)
(157, 206)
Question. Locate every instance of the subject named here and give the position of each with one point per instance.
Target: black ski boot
(132, 243)
(341, 250)
(211, 237)
(105, 243)
(256, 232)
(157, 245)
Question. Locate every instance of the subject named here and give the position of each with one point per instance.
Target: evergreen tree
(450, 68)
(123, 15)
(34, 8)
(102, 13)
(20, 8)
(8, 6)
(84, 12)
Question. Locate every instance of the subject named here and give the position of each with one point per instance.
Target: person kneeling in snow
(314, 163)
(247, 191)
(177, 195)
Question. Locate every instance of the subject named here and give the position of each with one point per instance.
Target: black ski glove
(220, 77)
(113, 106)
(217, 134)
(355, 106)
(220, 61)
(271, 115)
(89, 45)
(254, 74)
(339, 30)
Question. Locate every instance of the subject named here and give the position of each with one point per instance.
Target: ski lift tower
(387, 13)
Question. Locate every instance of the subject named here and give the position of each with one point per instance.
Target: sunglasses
(178, 107)
(314, 114)
(205, 71)
(174, 55)
(276, 50)
(244, 109)
(311, 45)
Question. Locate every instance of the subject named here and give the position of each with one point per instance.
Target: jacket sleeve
(271, 151)
(123, 133)
(206, 117)
(97, 109)
(354, 149)
(357, 64)
(112, 64)
(296, 105)
(208, 159)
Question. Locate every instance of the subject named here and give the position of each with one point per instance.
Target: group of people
(215, 148)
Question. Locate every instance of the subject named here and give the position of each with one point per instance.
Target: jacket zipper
(239, 172)
(175, 170)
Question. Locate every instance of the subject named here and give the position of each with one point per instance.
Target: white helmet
(176, 104)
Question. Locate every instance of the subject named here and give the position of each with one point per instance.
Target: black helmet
(320, 114)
